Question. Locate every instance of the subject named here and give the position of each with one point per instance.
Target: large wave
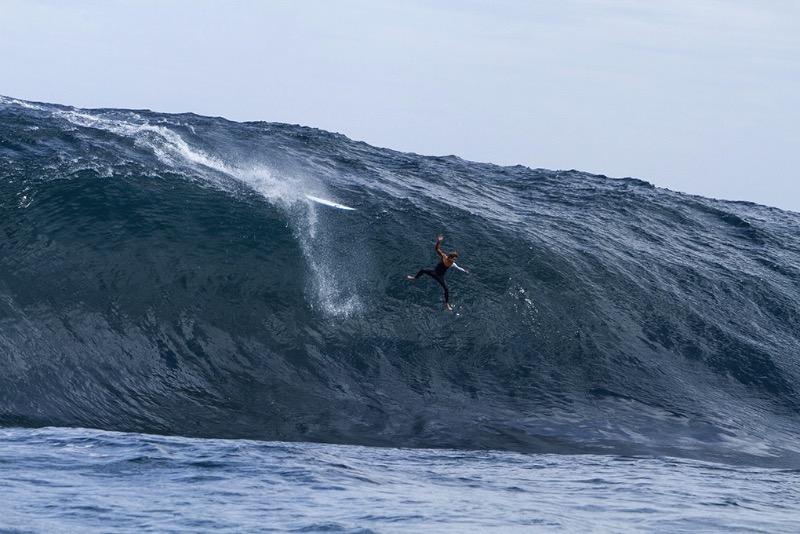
(167, 273)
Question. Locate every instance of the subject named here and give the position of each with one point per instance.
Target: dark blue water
(166, 274)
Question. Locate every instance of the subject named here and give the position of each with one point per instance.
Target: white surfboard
(330, 203)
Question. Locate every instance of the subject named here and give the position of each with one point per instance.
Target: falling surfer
(447, 261)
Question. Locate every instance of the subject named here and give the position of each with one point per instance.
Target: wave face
(167, 274)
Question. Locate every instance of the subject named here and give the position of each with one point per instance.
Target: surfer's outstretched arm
(460, 268)
(439, 250)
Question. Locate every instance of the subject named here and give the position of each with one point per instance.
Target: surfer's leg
(440, 279)
(446, 294)
(444, 286)
(429, 272)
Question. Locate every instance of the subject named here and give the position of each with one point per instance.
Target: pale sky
(700, 96)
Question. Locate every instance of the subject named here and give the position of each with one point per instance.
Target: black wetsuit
(438, 275)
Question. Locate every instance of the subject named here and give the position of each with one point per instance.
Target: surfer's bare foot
(449, 308)
(410, 277)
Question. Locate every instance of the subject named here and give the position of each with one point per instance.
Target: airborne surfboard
(330, 203)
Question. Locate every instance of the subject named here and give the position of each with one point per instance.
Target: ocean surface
(189, 343)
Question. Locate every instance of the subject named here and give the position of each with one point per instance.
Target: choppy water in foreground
(75, 480)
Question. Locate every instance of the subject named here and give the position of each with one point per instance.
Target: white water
(330, 294)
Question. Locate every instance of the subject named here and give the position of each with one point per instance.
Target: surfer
(447, 261)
